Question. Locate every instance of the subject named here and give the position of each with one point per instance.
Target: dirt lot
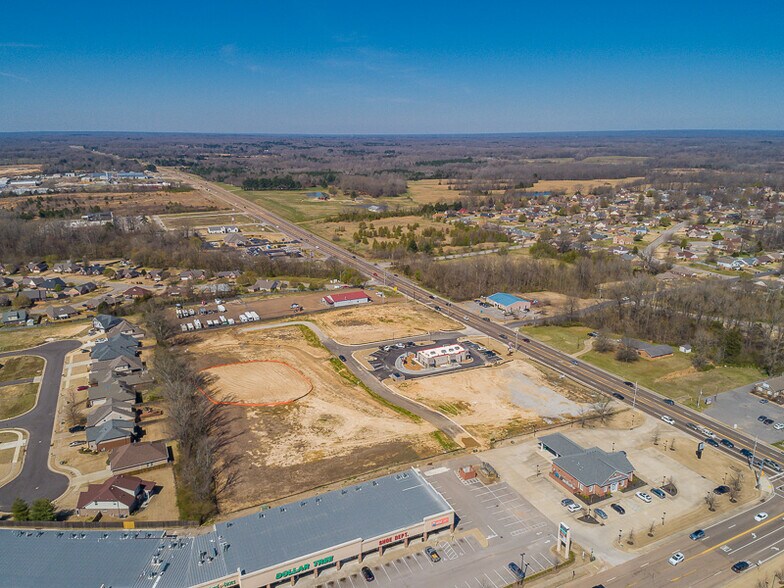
(553, 303)
(258, 382)
(571, 186)
(379, 321)
(494, 402)
(335, 432)
(205, 219)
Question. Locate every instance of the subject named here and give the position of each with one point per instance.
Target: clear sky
(392, 67)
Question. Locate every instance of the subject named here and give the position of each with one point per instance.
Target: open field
(379, 321)
(257, 382)
(124, 203)
(24, 337)
(342, 233)
(17, 399)
(23, 366)
(675, 377)
(19, 169)
(431, 191)
(336, 431)
(494, 402)
(553, 303)
(571, 186)
(205, 219)
(566, 339)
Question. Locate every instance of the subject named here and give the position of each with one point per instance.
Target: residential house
(138, 456)
(263, 285)
(193, 275)
(66, 267)
(235, 240)
(9, 268)
(626, 240)
(80, 289)
(119, 496)
(6, 282)
(37, 295)
(103, 322)
(14, 317)
(37, 267)
(229, 275)
(125, 328)
(60, 312)
(586, 472)
(110, 434)
(112, 391)
(112, 410)
(157, 275)
(126, 274)
(648, 350)
(114, 347)
(135, 292)
(686, 255)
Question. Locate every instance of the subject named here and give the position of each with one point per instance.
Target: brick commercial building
(444, 355)
(588, 472)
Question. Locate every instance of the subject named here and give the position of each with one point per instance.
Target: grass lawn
(566, 339)
(24, 366)
(17, 399)
(24, 337)
(674, 377)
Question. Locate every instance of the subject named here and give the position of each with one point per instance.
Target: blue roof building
(509, 302)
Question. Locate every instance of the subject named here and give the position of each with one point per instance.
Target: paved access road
(36, 480)
(709, 560)
(584, 373)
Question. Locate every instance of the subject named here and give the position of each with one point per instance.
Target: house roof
(107, 321)
(138, 454)
(113, 390)
(119, 488)
(651, 349)
(505, 299)
(56, 311)
(560, 444)
(345, 296)
(595, 466)
(123, 409)
(116, 346)
(113, 429)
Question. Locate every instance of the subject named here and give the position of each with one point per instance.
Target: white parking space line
(489, 580)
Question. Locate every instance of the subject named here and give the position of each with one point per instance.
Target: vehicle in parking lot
(760, 516)
(763, 400)
(515, 569)
(574, 507)
(697, 535)
(80, 388)
(567, 502)
(658, 492)
(618, 508)
(618, 395)
(768, 422)
(711, 442)
(761, 418)
(746, 452)
(727, 443)
(721, 490)
(367, 574)
(644, 496)
(778, 426)
(668, 419)
(741, 566)
(600, 513)
(676, 558)
(433, 555)
(669, 401)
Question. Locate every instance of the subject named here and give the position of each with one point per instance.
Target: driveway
(36, 480)
(741, 408)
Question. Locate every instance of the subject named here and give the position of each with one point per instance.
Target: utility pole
(699, 399)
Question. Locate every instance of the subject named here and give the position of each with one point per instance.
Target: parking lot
(383, 361)
(496, 525)
(741, 408)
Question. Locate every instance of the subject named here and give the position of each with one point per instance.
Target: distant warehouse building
(438, 356)
(509, 303)
(346, 299)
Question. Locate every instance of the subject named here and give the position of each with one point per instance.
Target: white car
(574, 507)
(668, 419)
(760, 516)
(676, 558)
(778, 426)
(644, 496)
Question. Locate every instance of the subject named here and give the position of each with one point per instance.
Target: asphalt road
(36, 480)
(586, 374)
(708, 560)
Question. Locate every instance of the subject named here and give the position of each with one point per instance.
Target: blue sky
(405, 67)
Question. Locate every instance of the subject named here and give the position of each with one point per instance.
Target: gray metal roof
(595, 466)
(649, 348)
(364, 511)
(560, 444)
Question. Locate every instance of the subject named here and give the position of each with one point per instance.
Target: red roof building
(346, 299)
(118, 496)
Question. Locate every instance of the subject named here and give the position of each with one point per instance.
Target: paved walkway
(15, 382)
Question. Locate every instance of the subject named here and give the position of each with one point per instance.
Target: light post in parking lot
(620, 533)
(663, 515)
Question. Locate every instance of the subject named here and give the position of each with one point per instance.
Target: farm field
(204, 219)
(571, 186)
(336, 431)
(378, 321)
(496, 402)
(431, 191)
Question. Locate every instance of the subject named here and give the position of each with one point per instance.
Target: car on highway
(618, 395)
(574, 507)
(644, 496)
(486, 319)
(711, 442)
(741, 566)
(431, 296)
(432, 554)
(727, 443)
(760, 516)
(719, 490)
(746, 452)
(658, 492)
(668, 419)
(697, 535)
(692, 426)
(669, 401)
(516, 571)
(367, 574)
(575, 362)
(342, 357)
(502, 336)
(600, 513)
(676, 558)
(526, 340)
(630, 384)
(771, 464)
(567, 502)
(768, 422)
(756, 463)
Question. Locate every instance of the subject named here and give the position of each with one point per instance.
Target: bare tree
(710, 500)
(603, 343)
(651, 529)
(779, 576)
(630, 538)
(672, 444)
(735, 484)
(603, 408)
(73, 415)
(655, 436)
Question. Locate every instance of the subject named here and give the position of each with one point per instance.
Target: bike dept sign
(304, 568)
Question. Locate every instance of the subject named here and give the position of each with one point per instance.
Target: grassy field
(431, 191)
(22, 338)
(17, 399)
(16, 368)
(675, 377)
(190, 220)
(566, 339)
(570, 186)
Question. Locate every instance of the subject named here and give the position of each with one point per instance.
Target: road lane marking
(741, 534)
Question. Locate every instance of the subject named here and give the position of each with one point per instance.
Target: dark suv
(617, 508)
